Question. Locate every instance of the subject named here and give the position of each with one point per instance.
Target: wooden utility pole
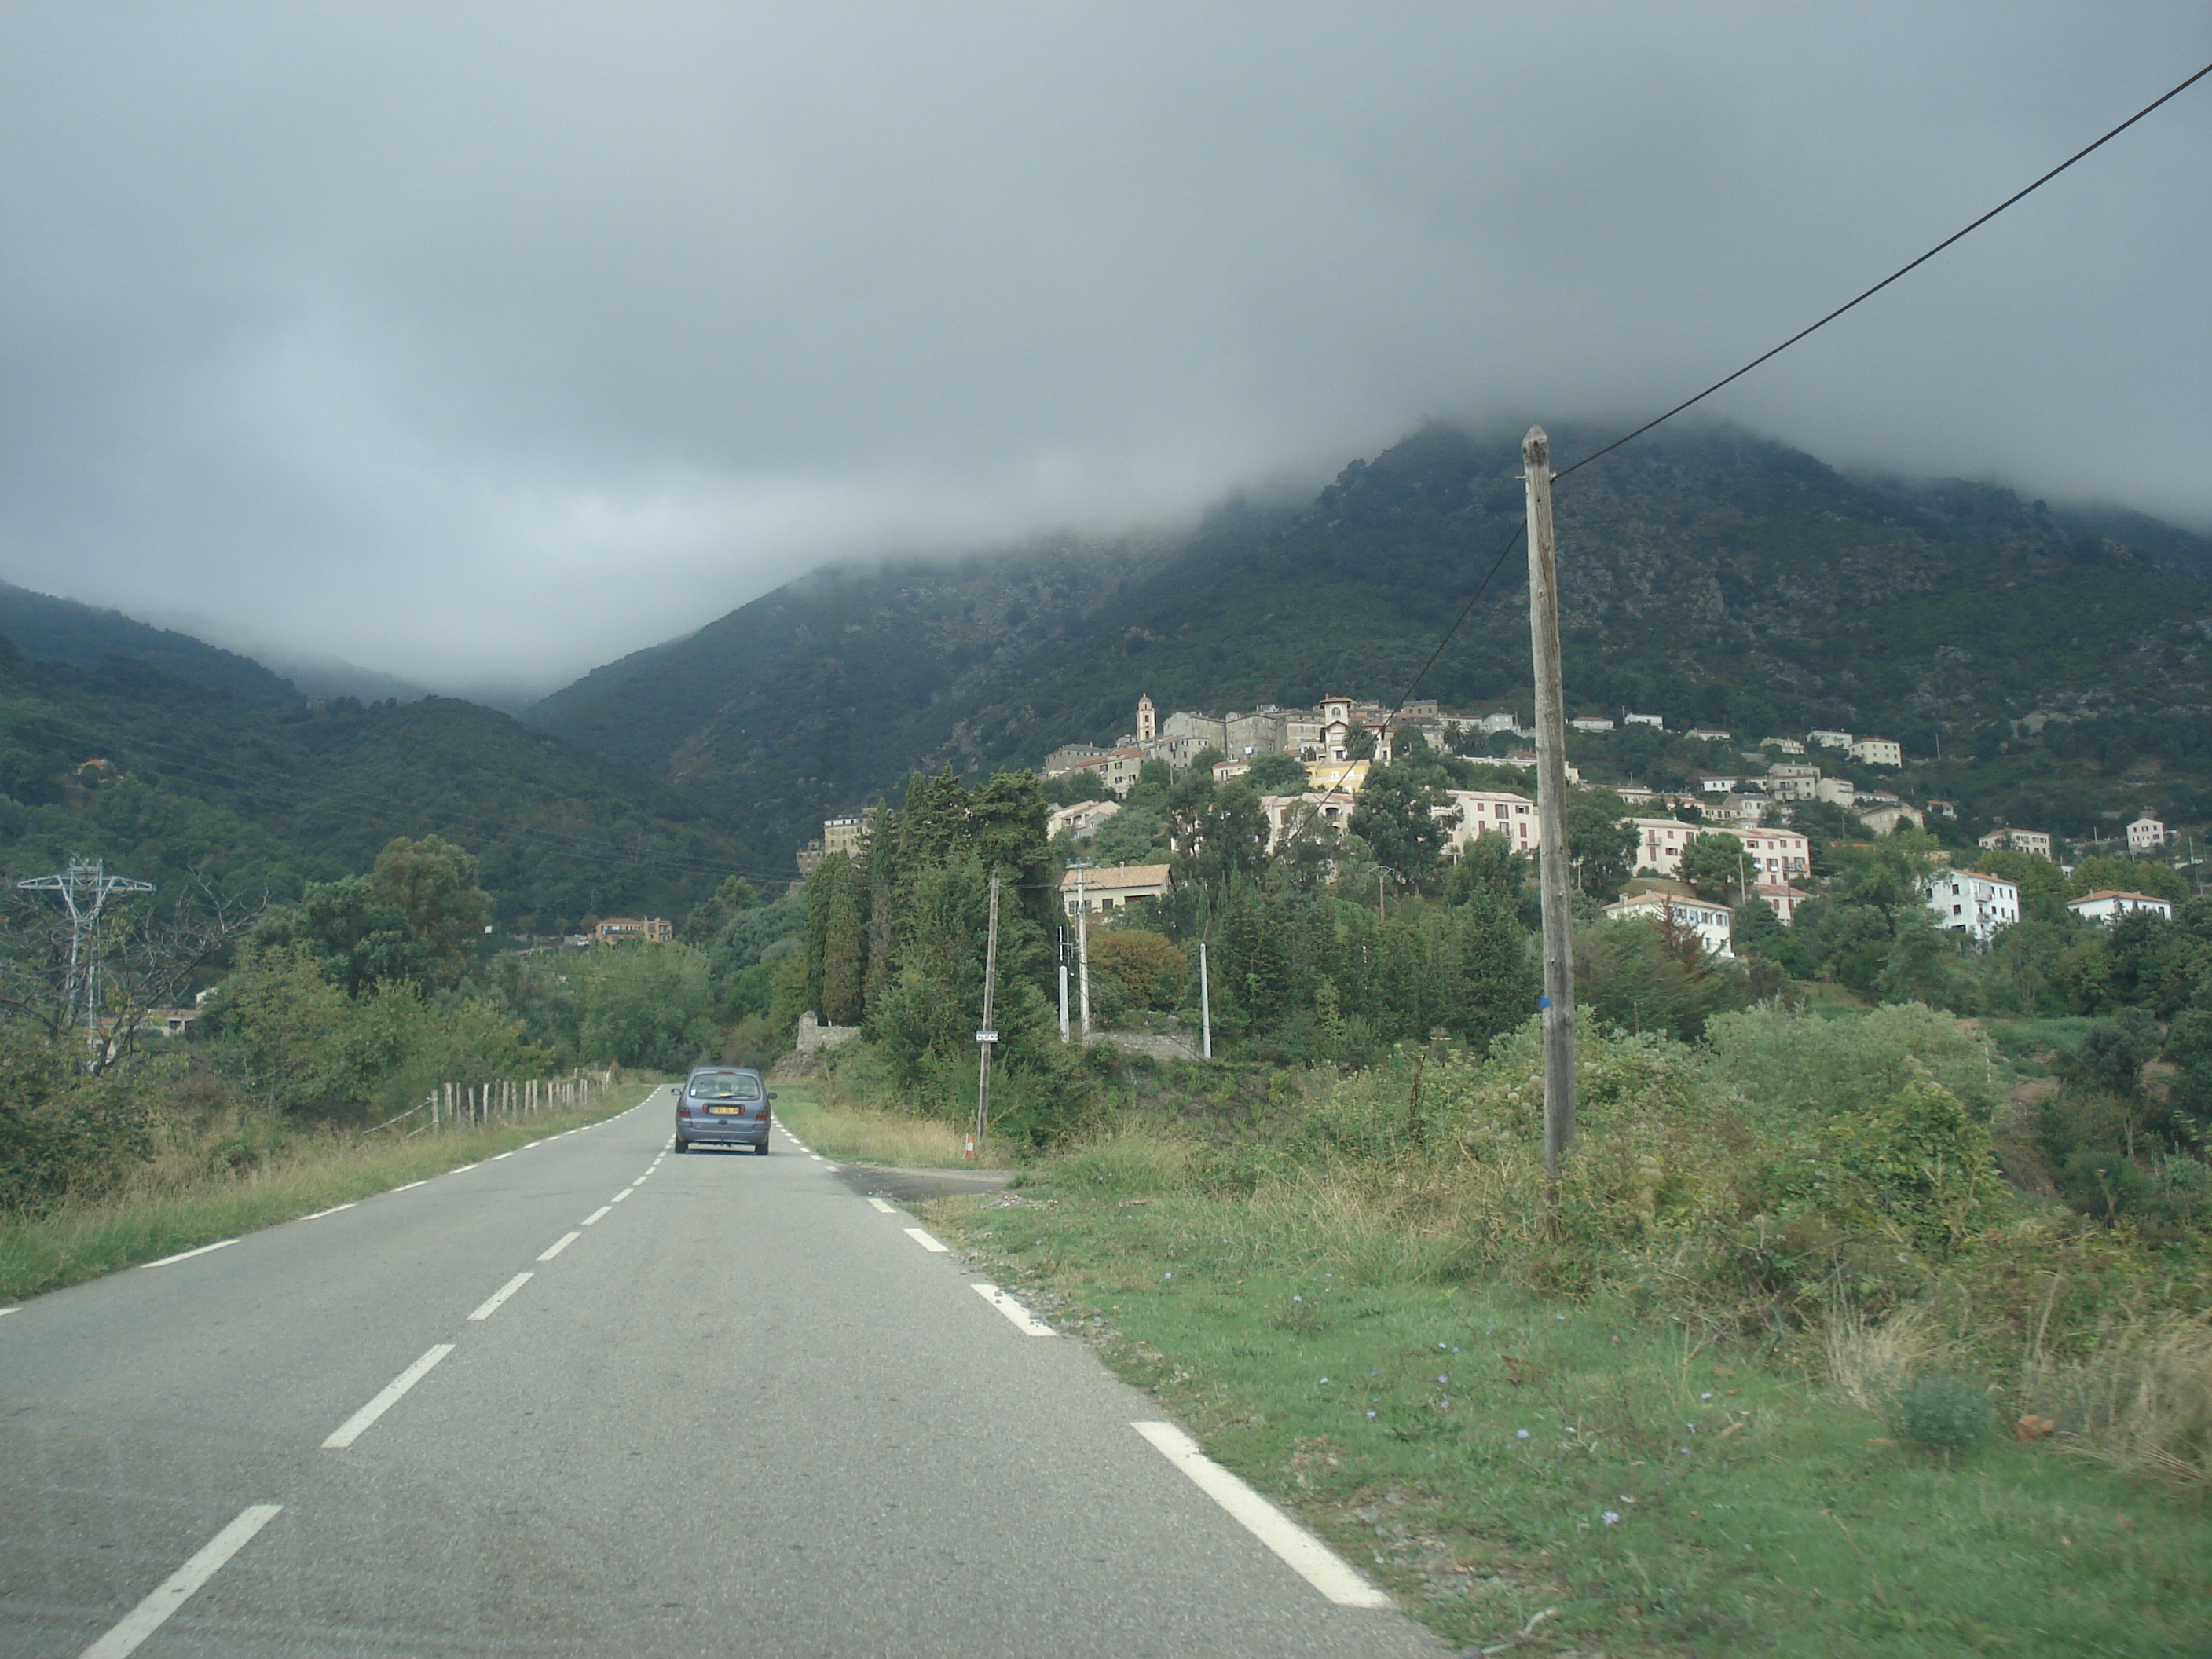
(989, 1035)
(1550, 804)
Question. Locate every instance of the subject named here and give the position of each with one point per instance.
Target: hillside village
(1755, 793)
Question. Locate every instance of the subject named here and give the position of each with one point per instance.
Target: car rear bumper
(722, 1134)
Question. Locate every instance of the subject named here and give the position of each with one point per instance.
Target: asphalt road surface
(591, 1398)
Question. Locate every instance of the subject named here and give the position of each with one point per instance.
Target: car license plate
(726, 1111)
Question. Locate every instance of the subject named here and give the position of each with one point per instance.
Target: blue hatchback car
(723, 1106)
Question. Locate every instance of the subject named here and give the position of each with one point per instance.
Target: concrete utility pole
(1061, 955)
(989, 1035)
(1204, 1006)
(1083, 950)
(1550, 804)
(85, 888)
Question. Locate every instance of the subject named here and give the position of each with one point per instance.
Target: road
(735, 1408)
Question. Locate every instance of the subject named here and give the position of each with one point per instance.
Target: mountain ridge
(1708, 573)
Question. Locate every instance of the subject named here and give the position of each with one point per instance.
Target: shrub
(1940, 1411)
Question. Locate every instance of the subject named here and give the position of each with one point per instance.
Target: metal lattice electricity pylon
(85, 888)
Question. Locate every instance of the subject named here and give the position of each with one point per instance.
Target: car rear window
(725, 1087)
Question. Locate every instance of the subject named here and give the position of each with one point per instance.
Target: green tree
(1713, 863)
(1600, 842)
(1130, 836)
(1394, 815)
(434, 884)
(273, 1017)
(646, 1005)
(1277, 774)
(2102, 871)
(2043, 887)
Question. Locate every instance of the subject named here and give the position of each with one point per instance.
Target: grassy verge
(854, 1133)
(1491, 1456)
(177, 1204)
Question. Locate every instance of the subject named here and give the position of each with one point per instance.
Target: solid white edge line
(597, 1213)
(410, 1186)
(1303, 1553)
(491, 1303)
(333, 1210)
(559, 1245)
(937, 1246)
(142, 1621)
(186, 1256)
(351, 1430)
(887, 1209)
(1023, 1321)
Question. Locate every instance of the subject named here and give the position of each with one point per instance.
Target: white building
(1081, 820)
(1784, 899)
(1717, 783)
(2146, 835)
(1287, 815)
(1836, 792)
(1497, 812)
(1711, 923)
(2108, 905)
(1777, 854)
(1829, 739)
(1591, 723)
(1970, 903)
(1710, 734)
(1878, 751)
(2021, 841)
(1491, 725)
(1792, 780)
(1653, 721)
(1659, 843)
(1783, 745)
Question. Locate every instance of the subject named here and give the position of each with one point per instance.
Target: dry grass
(853, 1134)
(1868, 1359)
(209, 1181)
(2142, 1403)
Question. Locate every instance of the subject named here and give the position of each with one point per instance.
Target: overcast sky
(484, 344)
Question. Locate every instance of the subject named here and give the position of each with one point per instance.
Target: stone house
(2146, 835)
(1109, 887)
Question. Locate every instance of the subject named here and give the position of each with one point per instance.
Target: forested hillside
(172, 780)
(1708, 576)
(64, 630)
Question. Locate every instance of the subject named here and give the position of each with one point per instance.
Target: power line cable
(1777, 351)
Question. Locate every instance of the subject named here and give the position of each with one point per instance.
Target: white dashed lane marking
(186, 1256)
(1023, 1320)
(884, 1208)
(1303, 1553)
(149, 1614)
(559, 1245)
(491, 1304)
(923, 1239)
(351, 1430)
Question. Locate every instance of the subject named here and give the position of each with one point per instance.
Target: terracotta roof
(2115, 893)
